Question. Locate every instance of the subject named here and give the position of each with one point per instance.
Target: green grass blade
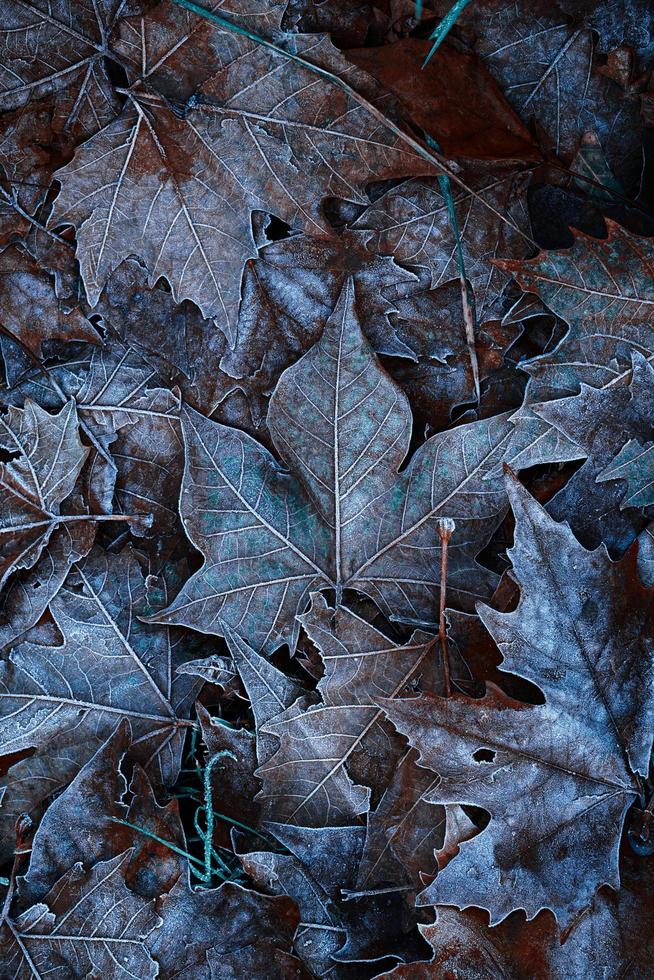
(445, 26)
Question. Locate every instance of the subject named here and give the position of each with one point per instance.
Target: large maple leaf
(343, 518)
(611, 940)
(583, 632)
(263, 132)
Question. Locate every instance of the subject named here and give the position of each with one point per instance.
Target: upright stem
(446, 527)
(207, 834)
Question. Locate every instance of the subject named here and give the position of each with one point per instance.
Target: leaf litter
(326, 466)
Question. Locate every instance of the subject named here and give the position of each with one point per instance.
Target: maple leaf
(443, 378)
(635, 464)
(348, 520)
(463, 946)
(89, 923)
(404, 830)
(612, 936)
(46, 458)
(59, 703)
(130, 418)
(269, 690)
(575, 758)
(322, 932)
(67, 48)
(603, 289)
(173, 50)
(232, 778)
(412, 222)
(134, 418)
(264, 132)
(119, 404)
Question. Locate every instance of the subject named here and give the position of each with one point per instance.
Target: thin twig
(446, 527)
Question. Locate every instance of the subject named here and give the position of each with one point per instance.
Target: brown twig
(446, 528)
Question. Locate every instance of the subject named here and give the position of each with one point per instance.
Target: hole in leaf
(479, 816)
(7, 455)
(276, 229)
(117, 76)
(521, 689)
(484, 755)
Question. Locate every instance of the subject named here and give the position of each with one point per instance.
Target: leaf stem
(446, 528)
(76, 518)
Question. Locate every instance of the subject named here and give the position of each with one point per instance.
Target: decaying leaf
(59, 703)
(348, 520)
(178, 191)
(297, 681)
(89, 922)
(577, 770)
